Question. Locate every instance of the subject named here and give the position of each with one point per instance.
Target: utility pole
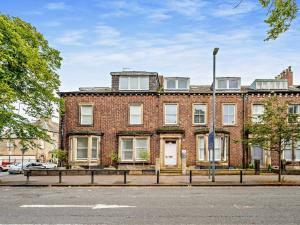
(214, 112)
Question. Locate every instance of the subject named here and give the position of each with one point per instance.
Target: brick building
(145, 116)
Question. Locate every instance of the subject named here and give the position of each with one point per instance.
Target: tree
(280, 14)
(275, 129)
(60, 155)
(28, 76)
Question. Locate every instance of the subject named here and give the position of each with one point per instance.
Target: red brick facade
(111, 121)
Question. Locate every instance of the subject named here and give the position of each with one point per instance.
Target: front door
(170, 153)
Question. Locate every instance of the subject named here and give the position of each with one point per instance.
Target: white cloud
(159, 16)
(57, 6)
(224, 10)
(185, 7)
(71, 38)
(106, 35)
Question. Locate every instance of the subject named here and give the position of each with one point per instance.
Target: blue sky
(171, 37)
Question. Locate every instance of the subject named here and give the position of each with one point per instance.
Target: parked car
(50, 165)
(17, 169)
(4, 166)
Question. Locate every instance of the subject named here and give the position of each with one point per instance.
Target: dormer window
(135, 83)
(270, 84)
(228, 83)
(176, 83)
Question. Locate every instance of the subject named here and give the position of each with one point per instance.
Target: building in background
(10, 150)
(144, 118)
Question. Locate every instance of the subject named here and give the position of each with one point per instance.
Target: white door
(170, 153)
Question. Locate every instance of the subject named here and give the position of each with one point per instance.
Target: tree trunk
(279, 173)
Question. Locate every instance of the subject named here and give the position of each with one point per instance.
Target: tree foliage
(276, 127)
(280, 14)
(28, 76)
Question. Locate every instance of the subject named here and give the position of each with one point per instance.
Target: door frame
(170, 137)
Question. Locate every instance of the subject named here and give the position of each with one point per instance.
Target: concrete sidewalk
(149, 180)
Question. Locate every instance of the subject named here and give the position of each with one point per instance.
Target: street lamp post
(214, 112)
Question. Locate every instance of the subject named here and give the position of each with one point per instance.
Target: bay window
(297, 151)
(221, 148)
(84, 148)
(133, 149)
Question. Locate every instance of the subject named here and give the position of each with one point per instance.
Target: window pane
(135, 114)
(199, 113)
(170, 114)
(233, 84)
(86, 120)
(95, 148)
(123, 83)
(171, 109)
(218, 148)
(86, 114)
(127, 149)
(201, 148)
(134, 83)
(257, 110)
(297, 151)
(222, 84)
(171, 83)
(141, 146)
(127, 144)
(82, 148)
(229, 114)
(87, 110)
(287, 152)
(144, 83)
(225, 148)
(182, 84)
(257, 153)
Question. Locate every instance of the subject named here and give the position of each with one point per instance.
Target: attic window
(176, 83)
(134, 83)
(228, 83)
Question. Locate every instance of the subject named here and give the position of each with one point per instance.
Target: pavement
(148, 205)
(149, 180)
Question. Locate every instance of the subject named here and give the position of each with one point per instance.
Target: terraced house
(145, 118)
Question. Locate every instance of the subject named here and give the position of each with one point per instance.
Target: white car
(16, 169)
(49, 165)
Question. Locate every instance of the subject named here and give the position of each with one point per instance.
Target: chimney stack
(287, 74)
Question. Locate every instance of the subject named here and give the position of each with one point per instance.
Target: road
(158, 205)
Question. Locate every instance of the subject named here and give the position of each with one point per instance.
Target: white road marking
(243, 206)
(97, 206)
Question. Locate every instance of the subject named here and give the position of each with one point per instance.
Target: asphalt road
(226, 205)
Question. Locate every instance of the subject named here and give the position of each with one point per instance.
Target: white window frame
(134, 150)
(199, 158)
(227, 81)
(255, 116)
(87, 149)
(74, 144)
(288, 147)
(234, 114)
(80, 114)
(176, 83)
(139, 83)
(140, 115)
(205, 113)
(297, 149)
(165, 115)
(223, 144)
